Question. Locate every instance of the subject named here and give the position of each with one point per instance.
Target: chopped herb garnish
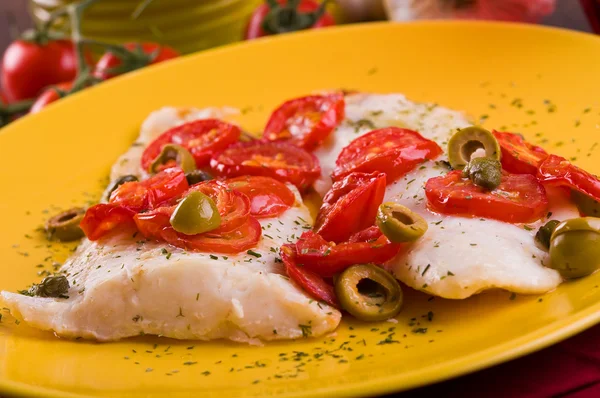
(306, 330)
(253, 253)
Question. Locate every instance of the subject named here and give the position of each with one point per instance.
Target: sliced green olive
(51, 286)
(575, 247)
(369, 292)
(121, 181)
(65, 225)
(196, 176)
(485, 172)
(195, 214)
(466, 142)
(586, 205)
(544, 234)
(399, 223)
(174, 153)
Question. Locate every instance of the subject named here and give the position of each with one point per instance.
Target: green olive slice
(65, 225)
(195, 214)
(122, 180)
(544, 234)
(173, 152)
(575, 247)
(368, 292)
(586, 205)
(485, 172)
(465, 142)
(400, 224)
(196, 176)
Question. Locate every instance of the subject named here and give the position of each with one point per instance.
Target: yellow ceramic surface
(539, 81)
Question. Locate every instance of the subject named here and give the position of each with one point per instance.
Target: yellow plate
(539, 81)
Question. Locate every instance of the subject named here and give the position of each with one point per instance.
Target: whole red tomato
(28, 67)
(269, 20)
(112, 64)
(49, 95)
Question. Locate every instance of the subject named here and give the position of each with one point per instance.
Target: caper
(586, 205)
(575, 247)
(196, 176)
(51, 286)
(195, 214)
(485, 172)
(400, 224)
(369, 292)
(469, 141)
(174, 153)
(65, 225)
(544, 234)
(122, 180)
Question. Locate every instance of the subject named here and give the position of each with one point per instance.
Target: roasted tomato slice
(519, 156)
(202, 138)
(350, 206)
(519, 198)
(268, 197)
(327, 259)
(306, 121)
(151, 193)
(102, 218)
(311, 282)
(392, 150)
(558, 170)
(244, 237)
(279, 160)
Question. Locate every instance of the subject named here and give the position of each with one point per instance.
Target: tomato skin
(255, 29)
(268, 197)
(392, 150)
(519, 198)
(309, 281)
(557, 170)
(202, 138)
(350, 206)
(519, 156)
(316, 115)
(327, 259)
(105, 65)
(279, 160)
(102, 218)
(48, 96)
(28, 67)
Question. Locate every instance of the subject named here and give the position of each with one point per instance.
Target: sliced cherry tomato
(392, 150)
(49, 96)
(102, 218)
(279, 160)
(350, 206)
(519, 156)
(151, 193)
(558, 170)
(141, 54)
(519, 198)
(202, 138)
(311, 282)
(267, 20)
(306, 121)
(268, 197)
(242, 238)
(327, 258)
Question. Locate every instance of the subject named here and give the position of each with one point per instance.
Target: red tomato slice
(350, 206)
(237, 240)
(312, 283)
(519, 198)
(279, 160)
(558, 170)
(202, 138)
(327, 259)
(268, 197)
(519, 156)
(102, 218)
(392, 150)
(151, 193)
(306, 121)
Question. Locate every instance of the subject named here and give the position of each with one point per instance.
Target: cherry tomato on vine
(50, 95)
(137, 56)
